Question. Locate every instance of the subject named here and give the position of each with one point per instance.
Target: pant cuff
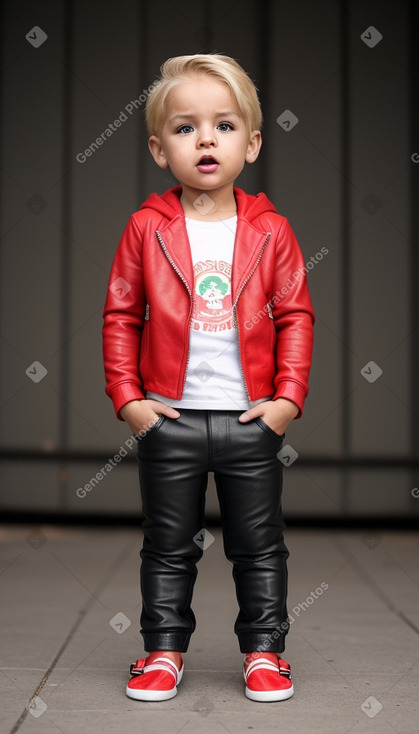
(261, 641)
(175, 640)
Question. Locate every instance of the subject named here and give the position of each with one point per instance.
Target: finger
(248, 415)
(162, 408)
(170, 412)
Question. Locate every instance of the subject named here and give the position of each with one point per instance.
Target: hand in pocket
(142, 414)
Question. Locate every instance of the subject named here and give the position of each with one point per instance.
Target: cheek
(179, 150)
(173, 154)
(236, 149)
(180, 160)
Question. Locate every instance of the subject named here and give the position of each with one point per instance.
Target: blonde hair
(223, 68)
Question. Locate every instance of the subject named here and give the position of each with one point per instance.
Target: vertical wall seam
(143, 82)
(413, 113)
(264, 22)
(2, 91)
(345, 40)
(66, 264)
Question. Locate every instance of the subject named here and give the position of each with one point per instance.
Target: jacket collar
(248, 244)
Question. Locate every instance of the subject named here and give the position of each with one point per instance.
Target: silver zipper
(234, 308)
(164, 248)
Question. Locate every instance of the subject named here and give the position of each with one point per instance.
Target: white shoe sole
(139, 694)
(263, 696)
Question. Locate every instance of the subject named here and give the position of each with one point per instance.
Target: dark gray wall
(344, 176)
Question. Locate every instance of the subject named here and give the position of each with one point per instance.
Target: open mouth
(207, 164)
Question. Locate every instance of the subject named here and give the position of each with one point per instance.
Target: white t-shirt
(214, 379)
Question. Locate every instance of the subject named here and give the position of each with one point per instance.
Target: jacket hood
(248, 206)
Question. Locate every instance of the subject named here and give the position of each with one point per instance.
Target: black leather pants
(174, 459)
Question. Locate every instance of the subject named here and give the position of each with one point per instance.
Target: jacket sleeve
(123, 320)
(293, 316)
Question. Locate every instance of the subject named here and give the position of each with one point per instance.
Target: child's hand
(277, 414)
(141, 414)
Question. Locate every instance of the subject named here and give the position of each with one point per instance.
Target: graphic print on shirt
(212, 286)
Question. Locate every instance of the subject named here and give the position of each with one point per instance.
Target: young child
(207, 339)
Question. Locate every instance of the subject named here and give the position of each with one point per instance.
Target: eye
(185, 129)
(225, 126)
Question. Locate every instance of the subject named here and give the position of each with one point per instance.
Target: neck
(209, 206)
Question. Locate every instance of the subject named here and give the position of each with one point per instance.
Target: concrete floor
(353, 648)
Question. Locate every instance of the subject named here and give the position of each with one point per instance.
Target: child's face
(202, 123)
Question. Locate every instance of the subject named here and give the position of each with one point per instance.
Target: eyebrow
(227, 113)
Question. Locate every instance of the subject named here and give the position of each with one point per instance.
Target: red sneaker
(155, 681)
(268, 681)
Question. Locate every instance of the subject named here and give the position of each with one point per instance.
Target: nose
(207, 139)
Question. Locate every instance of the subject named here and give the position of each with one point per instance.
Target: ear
(253, 146)
(157, 151)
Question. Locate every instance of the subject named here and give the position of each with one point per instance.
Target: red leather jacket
(149, 303)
